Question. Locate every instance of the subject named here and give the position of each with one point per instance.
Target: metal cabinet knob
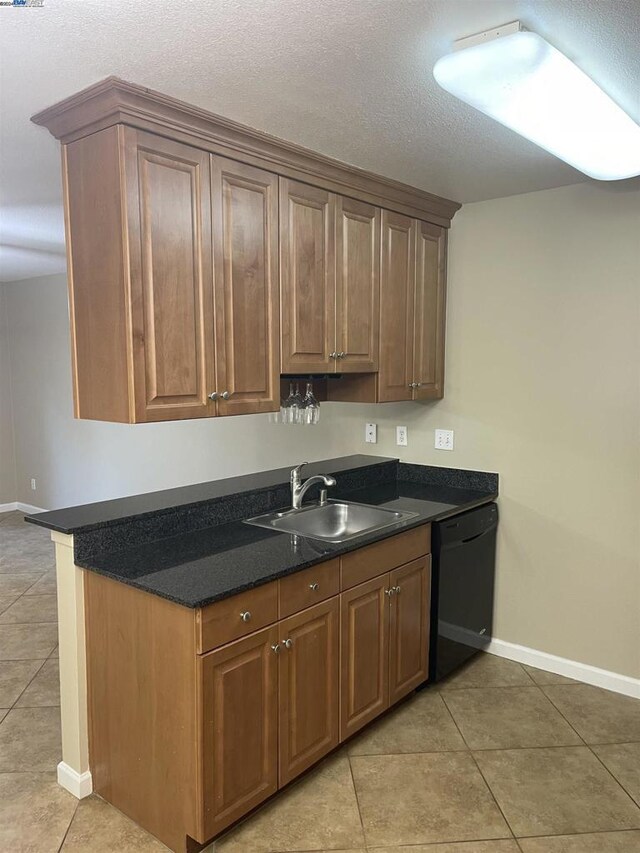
(341, 354)
(413, 385)
(276, 648)
(314, 587)
(225, 395)
(333, 354)
(390, 591)
(246, 616)
(396, 590)
(213, 395)
(287, 643)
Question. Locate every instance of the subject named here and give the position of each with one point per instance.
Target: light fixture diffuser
(520, 80)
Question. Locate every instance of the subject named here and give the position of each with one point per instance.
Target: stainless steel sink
(333, 521)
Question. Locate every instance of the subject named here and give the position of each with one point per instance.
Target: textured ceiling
(349, 78)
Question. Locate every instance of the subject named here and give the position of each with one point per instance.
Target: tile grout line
(493, 797)
(355, 791)
(631, 797)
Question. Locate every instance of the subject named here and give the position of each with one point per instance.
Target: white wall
(543, 386)
(82, 461)
(7, 449)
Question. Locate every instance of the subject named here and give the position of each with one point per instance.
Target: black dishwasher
(464, 554)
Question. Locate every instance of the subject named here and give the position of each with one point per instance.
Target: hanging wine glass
(311, 406)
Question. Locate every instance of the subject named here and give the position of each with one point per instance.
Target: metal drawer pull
(287, 643)
(225, 395)
(396, 590)
(276, 648)
(390, 592)
(314, 587)
(246, 616)
(341, 354)
(333, 355)
(213, 395)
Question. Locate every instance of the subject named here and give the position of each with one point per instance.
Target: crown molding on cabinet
(114, 101)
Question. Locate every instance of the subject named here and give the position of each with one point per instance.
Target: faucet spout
(299, 489)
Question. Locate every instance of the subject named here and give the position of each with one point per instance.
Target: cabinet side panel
(141, 682)
(97, 285)
(431, 254)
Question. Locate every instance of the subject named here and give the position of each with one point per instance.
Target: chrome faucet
(299, 489)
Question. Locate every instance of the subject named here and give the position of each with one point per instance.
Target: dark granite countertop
(195, 566)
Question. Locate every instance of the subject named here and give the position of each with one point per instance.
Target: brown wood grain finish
(306, 588)
(240, 728)
(142, 698)
(364, 563)
(115, 101)
(98, 282)
(168, 199)
(223, 621)
(307, 264)
(308, 687)
(364, 654)
(397, 289)
(409, 627)
(357, 285)
(428, 367)
(245, 229)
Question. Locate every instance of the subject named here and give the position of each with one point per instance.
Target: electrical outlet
(33, 484)
(371, 433)
(401, 436)
(444, 439)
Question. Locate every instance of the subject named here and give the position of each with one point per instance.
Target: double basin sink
(332, 521)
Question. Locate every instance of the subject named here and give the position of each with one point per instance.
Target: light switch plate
(444, 439)
(401, 436)
(371, 433)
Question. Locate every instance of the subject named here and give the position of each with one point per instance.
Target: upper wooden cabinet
(173, 271)
(205, 258)
(245, 251)
(330, 281)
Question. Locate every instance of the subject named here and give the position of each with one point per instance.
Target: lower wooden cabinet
(365, 654)
(239, 728)
(385, 642)
(196, 717)
(308, 688)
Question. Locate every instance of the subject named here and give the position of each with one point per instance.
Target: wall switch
(401, 436)
(371, 433)
(444, 439)
(33, 484)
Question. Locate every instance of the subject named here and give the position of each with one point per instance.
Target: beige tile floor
(499, 759)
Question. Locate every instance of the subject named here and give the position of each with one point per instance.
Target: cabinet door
(397, 283)
(240, 728)
(365, 654)
(357, 285)
(245, 229)
(428, 369)
(169, 233)
(409, 627)
(309, 686)
(307, 259)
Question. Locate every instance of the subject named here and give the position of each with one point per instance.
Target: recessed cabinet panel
(428, 370)
(409, 627)
(309, 687)
(245, 227)
(169, 225)
(357, 286)
(240, 728)
(365, 654)
(307, 254)
(397, 282)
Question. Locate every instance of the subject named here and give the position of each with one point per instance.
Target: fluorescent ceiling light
(520, 80)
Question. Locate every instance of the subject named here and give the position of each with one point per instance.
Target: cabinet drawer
(223, 621)
(373, 560)
(302, 590)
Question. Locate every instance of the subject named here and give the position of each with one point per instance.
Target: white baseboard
(18, 506)
(29, 508)
(78, 784)
(570, 668)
